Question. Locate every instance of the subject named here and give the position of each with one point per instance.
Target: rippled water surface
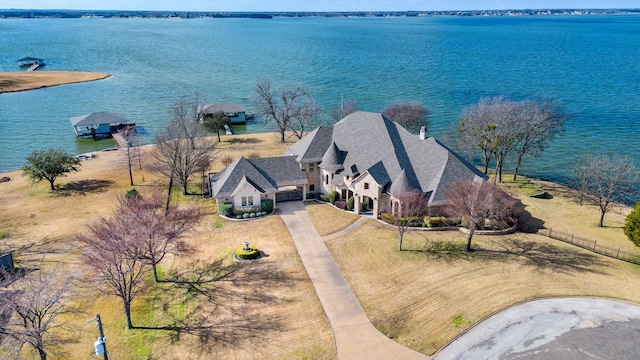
(589, 64)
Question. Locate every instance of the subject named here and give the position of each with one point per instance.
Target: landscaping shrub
(324, 197)
(225, 209)
(239, 216)
(350, 202)
(252, 215)
(386, 217)
(132, 194)
(250, 254)
(311, 196)
(266, 205)
(435, 221)
(341, 204)
(333, 196)
(226, 160)
(245, 215)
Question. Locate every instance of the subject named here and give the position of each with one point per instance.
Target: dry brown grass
(23, 80)
(266, 309)
(426, 296)
(339, 219)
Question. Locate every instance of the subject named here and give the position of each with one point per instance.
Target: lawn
(425, 296)
(266, 309)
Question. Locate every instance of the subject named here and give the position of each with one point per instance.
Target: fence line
(592, 245)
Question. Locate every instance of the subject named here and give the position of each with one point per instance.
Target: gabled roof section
(333, 158)
(400, 185)
(102, 117)
(265, 174)
(224, 107)
(312, 147)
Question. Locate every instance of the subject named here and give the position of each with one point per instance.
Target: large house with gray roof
(364, 155)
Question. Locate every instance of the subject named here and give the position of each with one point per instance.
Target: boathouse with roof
(364, 155)
(236, 113)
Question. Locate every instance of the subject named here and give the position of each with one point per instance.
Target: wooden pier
(120, 140)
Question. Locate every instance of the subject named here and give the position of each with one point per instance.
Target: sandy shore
(22, 80)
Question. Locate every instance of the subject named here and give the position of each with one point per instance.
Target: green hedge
(225, 209)
(350, 203)
(333, 196)
(266, 205)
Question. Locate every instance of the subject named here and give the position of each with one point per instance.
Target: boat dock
(120, 140)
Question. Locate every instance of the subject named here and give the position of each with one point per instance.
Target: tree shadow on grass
(243, 141)
(224, 301)
(544, 257)
(84, 187)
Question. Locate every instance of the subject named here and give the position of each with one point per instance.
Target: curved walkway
(355, 336)
(559, 328)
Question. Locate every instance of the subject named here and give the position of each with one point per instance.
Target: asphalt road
(558, 329)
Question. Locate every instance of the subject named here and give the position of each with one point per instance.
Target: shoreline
(17, 81)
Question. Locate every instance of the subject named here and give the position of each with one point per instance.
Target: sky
(315, 5)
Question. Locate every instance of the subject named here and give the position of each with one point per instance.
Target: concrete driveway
(559, 329)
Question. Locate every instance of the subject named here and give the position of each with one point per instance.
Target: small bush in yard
(245, 215)
(266, 205)
(350, 203)
(225, 209)
(324, 197)
(333, 196)
(341, 204)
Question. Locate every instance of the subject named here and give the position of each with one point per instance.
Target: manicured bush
(435, 221)
(311, 196)
(250, 254)
(350, 202)
(245, 215)
(239, 216)
(225, 209)
(333, 196)
(324, 197)
(386, 217)
(132, 194)
(252, 215)
(341, 204)
(266, 205)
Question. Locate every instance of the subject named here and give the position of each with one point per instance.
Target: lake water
(588, 64)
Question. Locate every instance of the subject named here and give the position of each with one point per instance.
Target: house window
(312, 187)
(326, 179)
(366, 186)
(244, 201)
(312, 167)
(250, 201)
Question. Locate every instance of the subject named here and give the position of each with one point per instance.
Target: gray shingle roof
(98, 118)
(266, 175)
(333, 158)
(224, 107)
(374, 144)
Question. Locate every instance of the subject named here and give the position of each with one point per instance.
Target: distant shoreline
(122, 14)
(15, 81)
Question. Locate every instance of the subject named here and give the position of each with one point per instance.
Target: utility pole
(101, 344)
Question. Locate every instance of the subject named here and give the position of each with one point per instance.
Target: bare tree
(491, 126)
(129, 135)
(339, 112)
(537, 122)
(159, 234)
(412, 116)
(407, 208)
(476, 203)
(581, 175)
(116, 255)
(290, 109)
(182, 146)
(477, 130)
(608, 180)
(31, 312)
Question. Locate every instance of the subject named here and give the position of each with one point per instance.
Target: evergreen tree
(632, 225)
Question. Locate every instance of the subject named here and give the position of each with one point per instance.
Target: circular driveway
(561, 328)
